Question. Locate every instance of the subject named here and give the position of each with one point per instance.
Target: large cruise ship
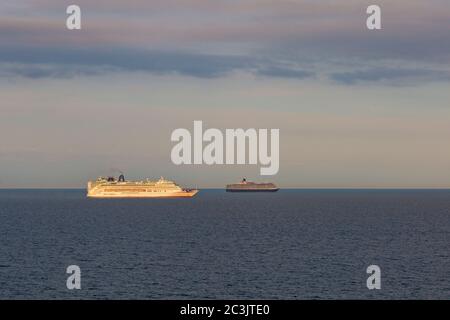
(248, 186)
(120, 188)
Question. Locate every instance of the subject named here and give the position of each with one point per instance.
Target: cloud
(412, 29)
(390, 75)
(65, 63)
(37, 63)
(209, 39)
(285, 73)
(40, 71)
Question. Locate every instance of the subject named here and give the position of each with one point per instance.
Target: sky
(355, 108)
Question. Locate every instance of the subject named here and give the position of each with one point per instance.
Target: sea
(292, 244)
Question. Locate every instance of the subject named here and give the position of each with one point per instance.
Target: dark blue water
(294, 244)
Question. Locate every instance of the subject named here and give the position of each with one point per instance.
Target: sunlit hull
(183, 194)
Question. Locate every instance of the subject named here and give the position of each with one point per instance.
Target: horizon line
(281, 188)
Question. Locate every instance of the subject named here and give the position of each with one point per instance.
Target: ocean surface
(293, 244)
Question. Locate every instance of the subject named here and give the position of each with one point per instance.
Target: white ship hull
(183, 194)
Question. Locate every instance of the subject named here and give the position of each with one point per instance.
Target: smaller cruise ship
(249, 186)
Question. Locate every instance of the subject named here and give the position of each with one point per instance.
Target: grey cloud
(412, 29)
(196, 65)
(48, 71)
(62, 63)
(285, 73)
(37, 63)
(116, 35)
(390, 75)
